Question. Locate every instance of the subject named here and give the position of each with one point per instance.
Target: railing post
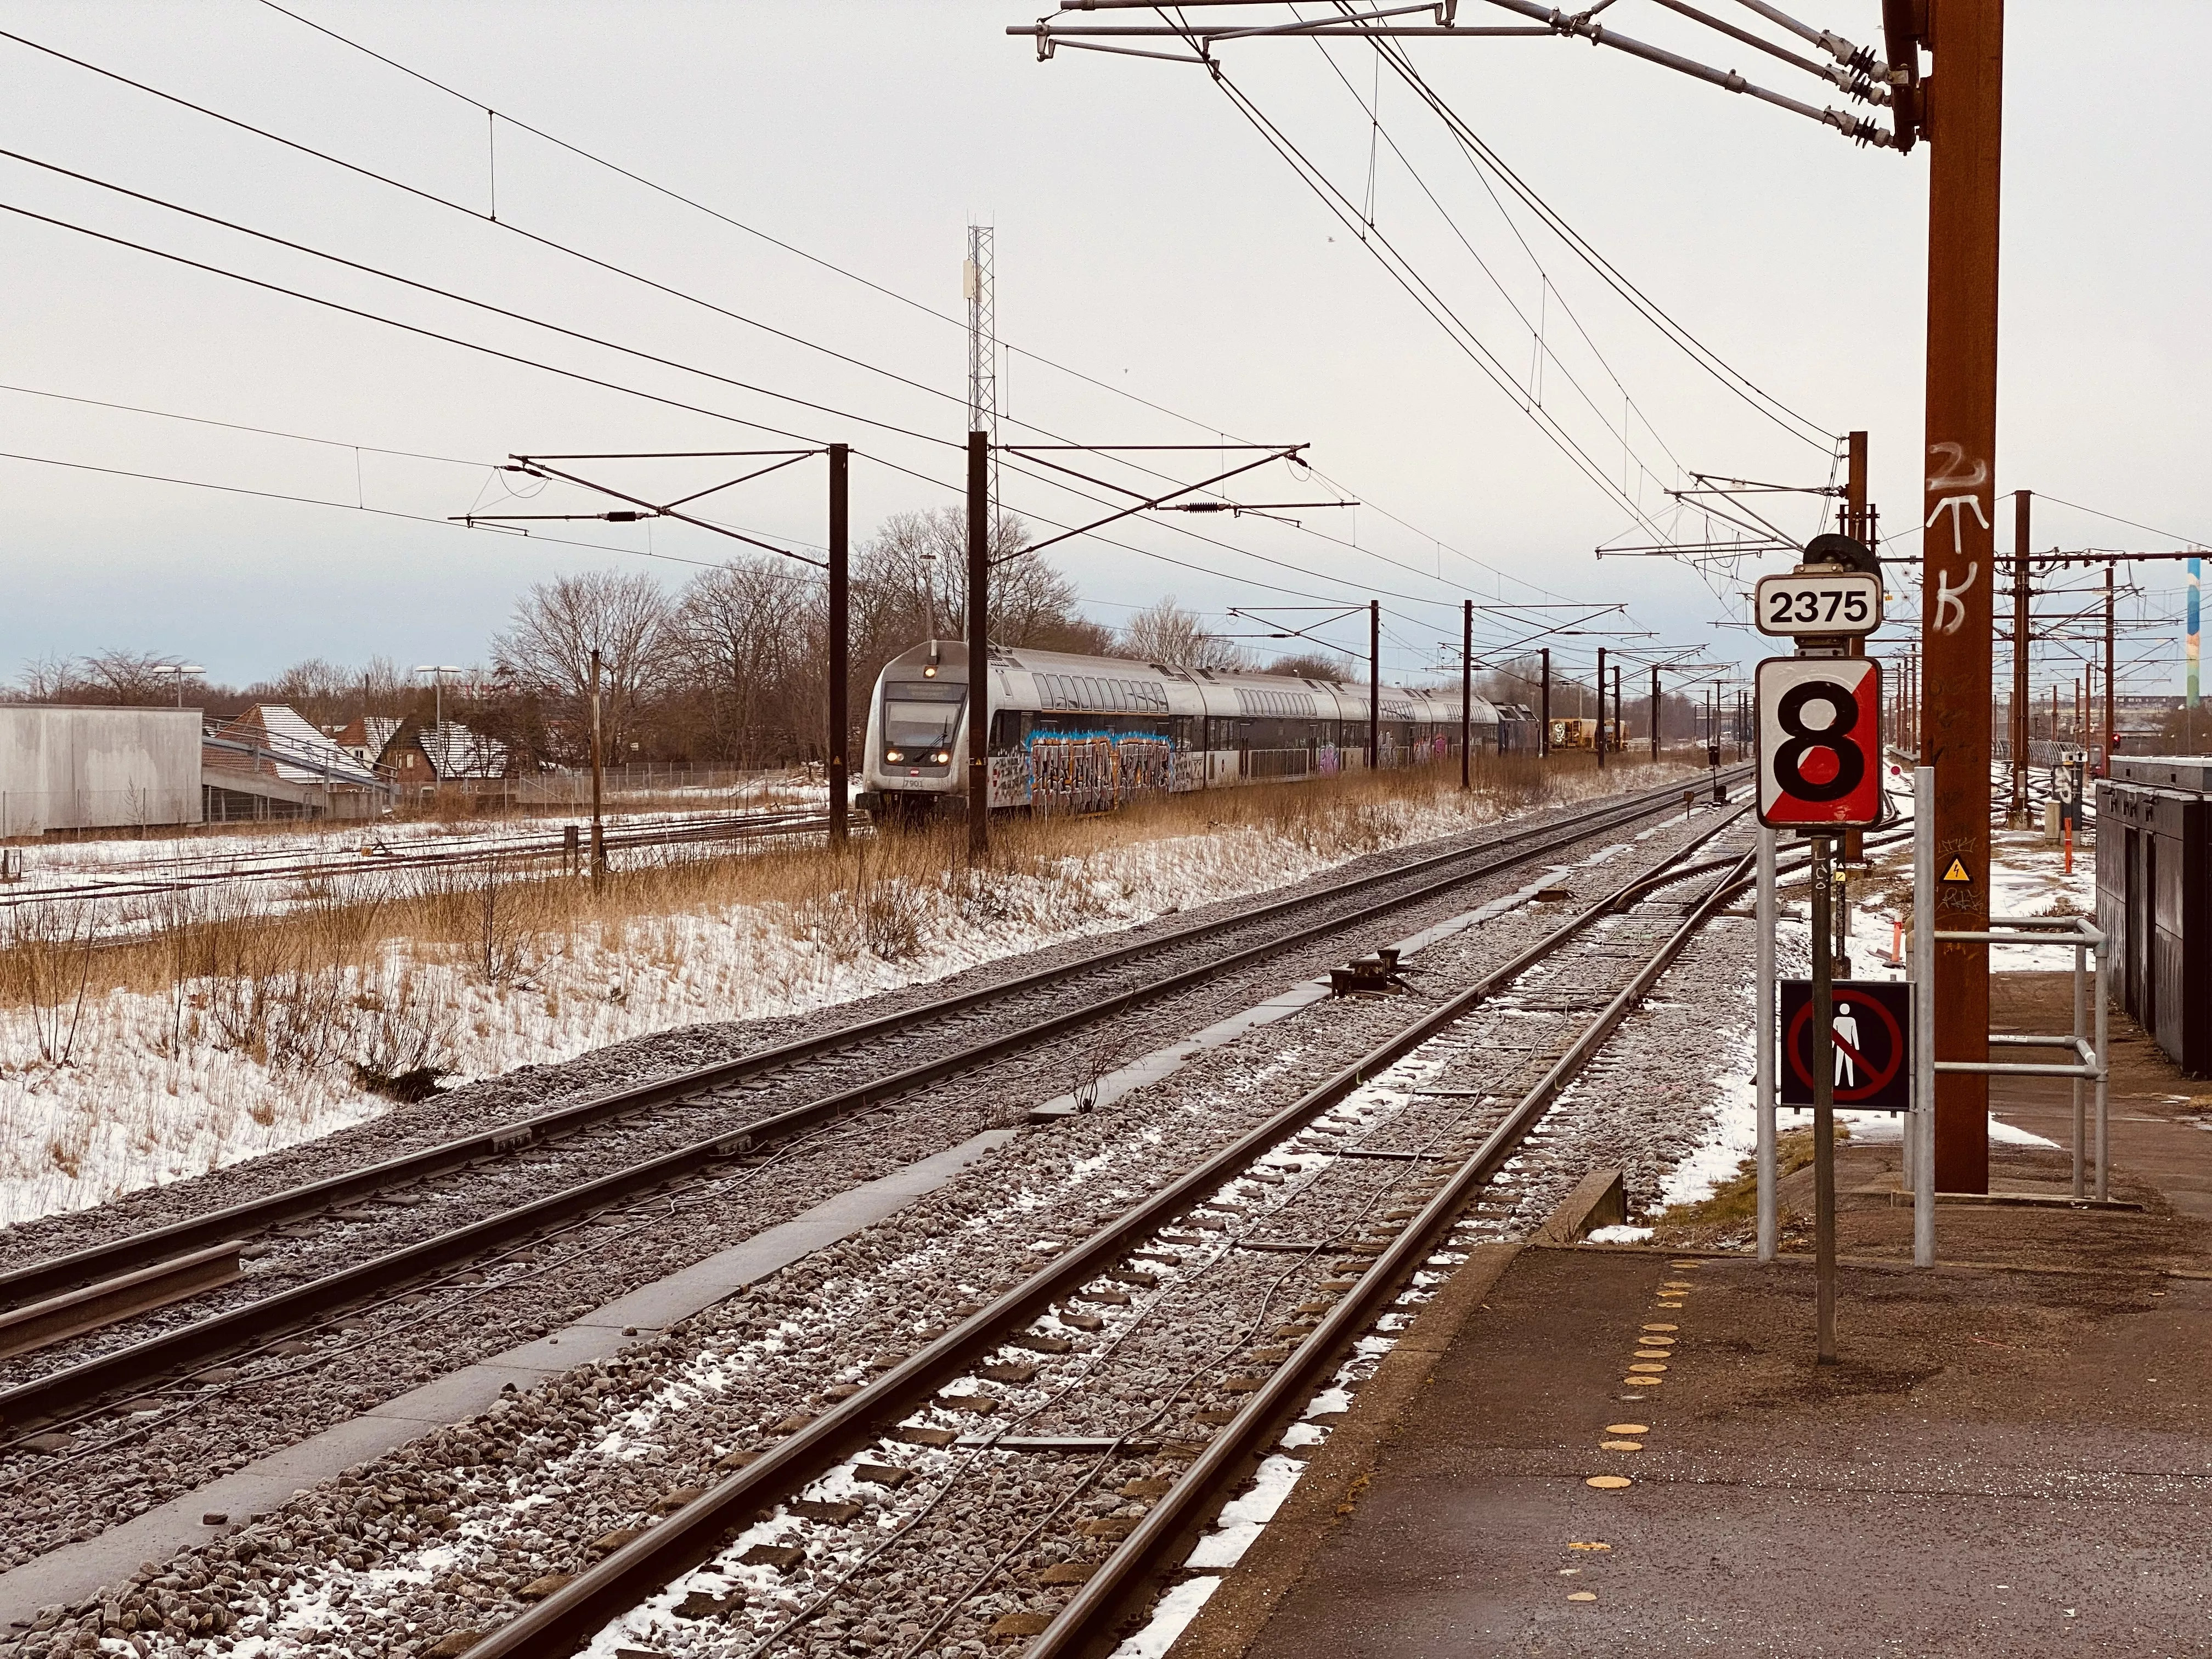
(2104, 1059)
(1762, 982)
(2080, 971)
(1923, 1016)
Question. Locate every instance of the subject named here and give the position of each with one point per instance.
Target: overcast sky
(1147, 238)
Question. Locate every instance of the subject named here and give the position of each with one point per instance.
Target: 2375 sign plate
(1820, 743)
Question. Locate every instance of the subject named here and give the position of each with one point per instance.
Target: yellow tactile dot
(1582, 1595)
(1652, 1341)
(1641, 1381)
(1685, 1264)
(1581, 1544)
(1628, 1428)
(1654, 1354)
(1670, 1304)
(1651, 1366)
(1620, 1446)
(1662, 1328)
(1608, 1482)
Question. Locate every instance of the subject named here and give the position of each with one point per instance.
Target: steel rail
(573, 1614)
(38, 1280)
(134, 1368)
(534, 850)
(1088, 1620)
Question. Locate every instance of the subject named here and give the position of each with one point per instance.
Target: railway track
(73, 1384)
(1272, 1260)
(156, 878)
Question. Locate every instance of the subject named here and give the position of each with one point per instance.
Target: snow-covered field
(133, 1089)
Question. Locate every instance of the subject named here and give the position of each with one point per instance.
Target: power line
(644, 182)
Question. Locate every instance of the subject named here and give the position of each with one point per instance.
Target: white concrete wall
(84, 768)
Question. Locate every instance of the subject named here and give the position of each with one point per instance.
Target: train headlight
(942, 757)
(929, 672)
(893, 755)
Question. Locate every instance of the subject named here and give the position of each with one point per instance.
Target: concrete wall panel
(87, 768)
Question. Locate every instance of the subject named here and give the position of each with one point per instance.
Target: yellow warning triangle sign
(1958, 872)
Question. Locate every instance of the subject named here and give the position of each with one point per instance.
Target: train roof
(1029, 678)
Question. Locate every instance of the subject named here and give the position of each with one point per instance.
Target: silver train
(1084, 734)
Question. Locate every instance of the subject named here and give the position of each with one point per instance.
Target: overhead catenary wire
(1240, 552)
(585, 154)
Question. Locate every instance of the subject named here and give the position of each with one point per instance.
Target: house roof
(283, 744)
(457, 753)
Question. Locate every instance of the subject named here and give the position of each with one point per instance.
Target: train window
(922, 715)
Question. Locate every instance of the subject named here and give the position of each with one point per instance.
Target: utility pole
(979, 647)
(598, 768)
(1856, 526)
(1466, 696)
(1619, 736)
(2017, 817)
(1544, 713)
(1965, 128)
(1374, 685)
(1654, 715)
(840, 619)
(1601, 708)
(2105, 770)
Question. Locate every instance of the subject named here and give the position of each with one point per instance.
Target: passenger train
(1084, 734)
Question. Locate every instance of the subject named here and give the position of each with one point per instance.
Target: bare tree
(1316, 665)
(748, 639)
(1166, 633)
(329, 695)
(546, 652)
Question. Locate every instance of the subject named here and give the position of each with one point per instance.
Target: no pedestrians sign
(1872, 1022)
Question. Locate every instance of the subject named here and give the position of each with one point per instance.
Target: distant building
(269, 763)
(425, 759)
(365, 738)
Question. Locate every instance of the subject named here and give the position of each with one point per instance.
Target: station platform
(2014, 1455)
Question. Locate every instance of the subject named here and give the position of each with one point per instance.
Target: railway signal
(1820, 743)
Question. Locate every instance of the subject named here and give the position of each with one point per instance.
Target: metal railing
(2091, 1062)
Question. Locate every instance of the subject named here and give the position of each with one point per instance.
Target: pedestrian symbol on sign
(1847, 1046)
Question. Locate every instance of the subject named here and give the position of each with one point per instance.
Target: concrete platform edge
(1335, 1476)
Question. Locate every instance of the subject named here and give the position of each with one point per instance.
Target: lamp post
(438, 672)
(178, 671)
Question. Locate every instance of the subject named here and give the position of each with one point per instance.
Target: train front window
(920, 720)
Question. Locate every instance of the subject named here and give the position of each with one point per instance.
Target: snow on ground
(130, 1090)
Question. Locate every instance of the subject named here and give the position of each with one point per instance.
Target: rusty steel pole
(1466, 696)
(840, 635)
(2110, 743)
(1855, 526)
(979, 648)
(2017, 817)
(1965, 111)
(1654, 716)
(1544, 711)
(1601, 708)
(1374, 685)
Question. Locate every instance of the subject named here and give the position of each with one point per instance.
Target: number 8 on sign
(1819, 741)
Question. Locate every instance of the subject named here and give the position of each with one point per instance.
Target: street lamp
(178, 671)
(438, 671)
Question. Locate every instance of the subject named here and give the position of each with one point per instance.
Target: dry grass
(326, 976)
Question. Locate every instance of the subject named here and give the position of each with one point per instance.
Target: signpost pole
(1923, 1016)
(1823, 1057)
(1764, 979)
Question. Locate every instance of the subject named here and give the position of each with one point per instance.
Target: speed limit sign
(1820, 743)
